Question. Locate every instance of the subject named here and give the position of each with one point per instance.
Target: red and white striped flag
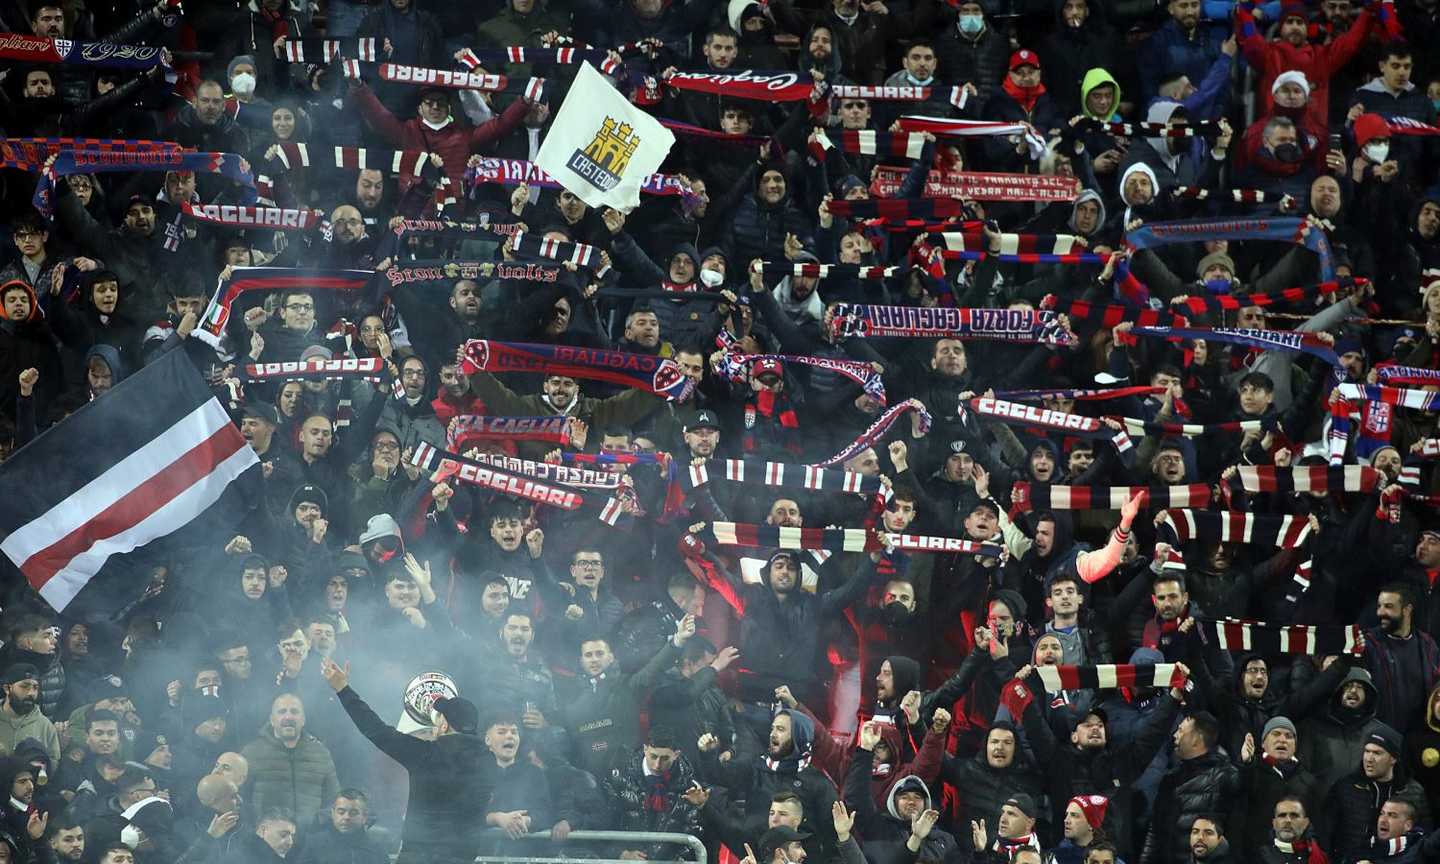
(135, 465)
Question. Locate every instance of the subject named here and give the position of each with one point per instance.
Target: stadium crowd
(1065, 680)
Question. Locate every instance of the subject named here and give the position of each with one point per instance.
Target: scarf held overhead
(227, 165)
(736, 367)
(1026, 496)
(1288, 230)
(1282, 532)
(316, 369)
(842, 540)
(1265, 340)
(1234, 634)
(41, 49)
(464, 428)
(1111, 676)
(656, 375)
(1006, 325)
(780, 474)
(877, 430)
(246, 279)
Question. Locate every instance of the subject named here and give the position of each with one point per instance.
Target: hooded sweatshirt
(1096, 78)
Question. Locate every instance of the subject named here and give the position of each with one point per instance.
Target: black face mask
(896, 614)
(1289, 153)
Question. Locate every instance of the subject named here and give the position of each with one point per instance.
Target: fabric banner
(138, 464)
(600, 147)
(945, 128)
(1005, 325)
(1200, 304)
(1283, 532)
(745, 84)
(316, 369)
(445, 270)
(1026, 496)
(1234, 634)
(245, 279)
(780, 474)
(656, 375)
(876, 431)
(1265, 340)
(465, 428)
(1110, 676)
(237, 216)
(978, 186)
(841, 539)
(227, 165)
(1286, 230)
(41, 49)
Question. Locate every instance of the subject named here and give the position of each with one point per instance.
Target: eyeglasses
(588, 563)
(387, 447)
(300, 307)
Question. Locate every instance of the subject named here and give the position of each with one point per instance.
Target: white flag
(600, 147)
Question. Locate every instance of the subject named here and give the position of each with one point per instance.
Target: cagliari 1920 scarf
(657, 375)
(841, 539)
(1026, 496)
(1110, 676)
(42, 49)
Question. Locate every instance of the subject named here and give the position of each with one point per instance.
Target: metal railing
(689, 841)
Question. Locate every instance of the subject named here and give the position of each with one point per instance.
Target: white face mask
(243, 84)
(1377, 152)
(436, 126)
(711, 278)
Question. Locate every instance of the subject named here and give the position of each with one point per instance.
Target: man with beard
(291, 768)
(434, 331)
(21, 821)
(412, 414)
(516, 679)
(1356, 801)
(783, 765)
(20, 714)
(67, 840)
(560, 395)
(1396, 840)
(1208, 843)
(134, 250)
(1403, 661)
(1290, 839)
(1000, 771)
(1423, 561)
(1203, 782)
(370, 196)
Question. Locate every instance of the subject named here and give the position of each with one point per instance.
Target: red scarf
(278, 21)
(657, 787)
(1308, 850)
(767, 405)
(1158, 632)
(681, 287)
(1026, 96)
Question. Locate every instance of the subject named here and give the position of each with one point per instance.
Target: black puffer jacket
(628, 791)
(986, 787)
(1349, 816)
(1205, 785)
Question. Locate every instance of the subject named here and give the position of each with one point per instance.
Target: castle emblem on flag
(604, 159)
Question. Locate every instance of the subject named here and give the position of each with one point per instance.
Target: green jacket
(300, 779)
(510, 28)
(35, 725)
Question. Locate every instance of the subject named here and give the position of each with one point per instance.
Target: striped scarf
(399, 163)
(898, 208)
(1017, 248)
(941, 127)
(1111, 676)
(1283, 532)
(581, 254)
(1408, 376)
(530, 89)
(1026, 496)
(1222, 302)
(841, 539)
(736, 367)
(778, 269)
(877, 430)
(1107, 315)
(776, 408)
(780, 474)
(1312, 478)
(611, 511)
(1016, 414)
(1005, 325)
(42, 49)
(1419, 400)
(656, 375)
(957, 96)
(1078, 395)
(29, 154)
(584, 478)
(1234, 634)
(246, 279)
(867, 142)
(1153, 130)
(1239, 196)
(474, 58)
(327, 50)
(1190, 430)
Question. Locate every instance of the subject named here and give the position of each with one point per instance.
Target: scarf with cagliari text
(42, 49)
(1283, 532)
(779, 269)
(1017, 414)
(897, 208)
(328, 50)
(745, 84)
(316, 369)
(957, 96)
(1005, 325)
(584, 478)
(227, 165)
(1265, 340)
(1026, 496)
(29, 154)
(531, 89)
(779, 474)
(841, 539)
(1226, 302)
(657, 375)
(876, 431)
(238, 216)
(1111, 676)
(475, 58)
(445, 465)
(1235, 634)
(247, 279)
(464, 428)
